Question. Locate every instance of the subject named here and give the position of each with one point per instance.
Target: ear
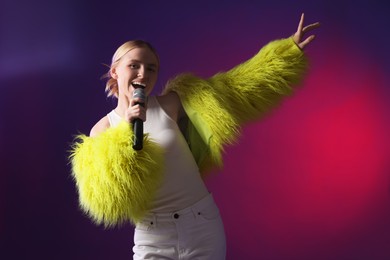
(113, 73)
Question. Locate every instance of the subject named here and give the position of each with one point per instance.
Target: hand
(135, 110)
(298, 35)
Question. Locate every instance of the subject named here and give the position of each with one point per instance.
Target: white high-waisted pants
(193, 233)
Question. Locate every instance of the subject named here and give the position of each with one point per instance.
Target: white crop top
(182, 185)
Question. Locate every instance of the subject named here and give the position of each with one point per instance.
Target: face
(139, 66)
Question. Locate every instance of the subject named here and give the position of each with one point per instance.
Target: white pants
(195, 233)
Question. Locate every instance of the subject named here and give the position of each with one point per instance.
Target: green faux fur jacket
(117, 184)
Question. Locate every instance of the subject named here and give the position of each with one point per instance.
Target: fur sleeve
(218, 106)
(257, 85)
(115, 183)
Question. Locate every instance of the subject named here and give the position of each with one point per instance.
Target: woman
(160, 188)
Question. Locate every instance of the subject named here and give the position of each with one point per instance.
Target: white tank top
(182, 185)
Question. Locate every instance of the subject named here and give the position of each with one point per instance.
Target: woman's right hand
(135, 110)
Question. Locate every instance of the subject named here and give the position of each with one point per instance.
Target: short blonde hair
(112, 84)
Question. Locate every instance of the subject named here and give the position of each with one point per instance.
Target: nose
(141, 72)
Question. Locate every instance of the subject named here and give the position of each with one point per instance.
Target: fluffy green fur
(218, 106)
(115, 183)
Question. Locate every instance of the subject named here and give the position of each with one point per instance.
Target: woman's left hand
(298, 35)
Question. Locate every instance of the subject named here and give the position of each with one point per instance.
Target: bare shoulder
(100, 127)
(171, 104)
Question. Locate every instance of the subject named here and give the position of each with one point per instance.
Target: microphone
(138, 124)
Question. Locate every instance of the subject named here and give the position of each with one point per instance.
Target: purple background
(309, 181)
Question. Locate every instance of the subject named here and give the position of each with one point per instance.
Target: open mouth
(138, 85)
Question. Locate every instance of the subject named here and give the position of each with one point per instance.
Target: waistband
(194, 209)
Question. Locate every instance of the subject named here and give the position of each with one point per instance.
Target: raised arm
(218, 106)
(255, 86)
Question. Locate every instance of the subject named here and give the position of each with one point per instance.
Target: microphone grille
(139, 93)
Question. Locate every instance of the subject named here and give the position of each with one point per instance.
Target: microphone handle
(138, 129)
(138, 125)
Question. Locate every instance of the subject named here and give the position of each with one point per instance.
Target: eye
(151, 69)
(134, 66)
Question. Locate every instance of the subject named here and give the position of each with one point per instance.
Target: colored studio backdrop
(310, 180)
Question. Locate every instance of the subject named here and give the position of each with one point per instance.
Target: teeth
(138, 84)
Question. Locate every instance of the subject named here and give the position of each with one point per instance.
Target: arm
(115, 183)
(254, 87)
(260, 83)
(219, 105)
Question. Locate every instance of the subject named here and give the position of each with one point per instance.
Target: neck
(121, 107)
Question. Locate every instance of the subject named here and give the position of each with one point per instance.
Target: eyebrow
(149, 64)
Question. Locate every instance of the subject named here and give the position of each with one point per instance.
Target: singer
(159, 188)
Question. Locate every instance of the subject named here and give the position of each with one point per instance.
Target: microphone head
(139, 93)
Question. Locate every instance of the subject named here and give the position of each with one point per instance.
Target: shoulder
(100, 127)
(171, 104)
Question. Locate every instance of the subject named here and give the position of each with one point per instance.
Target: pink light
(315, 169)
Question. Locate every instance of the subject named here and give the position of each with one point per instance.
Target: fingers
(135, 101)
(302, 30)
(300, 25)
(309, 39)
(135, 110)
(311, 27)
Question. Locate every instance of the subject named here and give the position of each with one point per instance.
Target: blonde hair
(112, 84)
